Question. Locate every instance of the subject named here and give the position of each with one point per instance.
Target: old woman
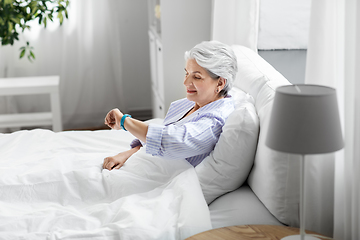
(192, 126)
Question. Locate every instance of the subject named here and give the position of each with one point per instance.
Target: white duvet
(52, 186)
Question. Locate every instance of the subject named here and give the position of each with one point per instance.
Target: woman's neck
(197, 105)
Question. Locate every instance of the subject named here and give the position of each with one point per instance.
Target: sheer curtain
(347, 177)
(333, 60)
(236, 22)
(85, 52)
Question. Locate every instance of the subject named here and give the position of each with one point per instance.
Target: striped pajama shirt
(191, 138)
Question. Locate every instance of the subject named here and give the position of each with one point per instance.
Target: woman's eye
(197, 77)
(186, 72)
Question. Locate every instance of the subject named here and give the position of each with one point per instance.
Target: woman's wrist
(136, 128)
(122, 121)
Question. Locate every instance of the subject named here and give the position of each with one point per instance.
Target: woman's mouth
(190, 91)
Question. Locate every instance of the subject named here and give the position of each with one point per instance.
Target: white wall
(290, 63)
(284, 24)
(136, 59)
(283, 36)
(135, 54)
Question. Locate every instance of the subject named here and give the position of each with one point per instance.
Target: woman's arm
(117, 161)
(135, 127)
(184, 140)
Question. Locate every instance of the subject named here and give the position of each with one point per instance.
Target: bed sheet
(240, 207)
(52, 186)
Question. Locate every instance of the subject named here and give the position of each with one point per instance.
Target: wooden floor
(88, 129)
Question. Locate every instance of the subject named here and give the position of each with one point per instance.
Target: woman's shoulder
(216, 104)
(218, 111)
(221, 106)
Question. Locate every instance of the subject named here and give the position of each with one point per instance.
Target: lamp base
(298, 237)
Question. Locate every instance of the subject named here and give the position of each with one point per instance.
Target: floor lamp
(304, 120)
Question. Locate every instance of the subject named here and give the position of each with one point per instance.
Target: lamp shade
(305, 120)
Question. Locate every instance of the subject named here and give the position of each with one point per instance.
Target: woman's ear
(221, 83)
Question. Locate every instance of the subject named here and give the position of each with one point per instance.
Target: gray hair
(217, 59)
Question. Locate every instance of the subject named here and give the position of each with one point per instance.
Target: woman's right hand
(135, 127)
(113, 119)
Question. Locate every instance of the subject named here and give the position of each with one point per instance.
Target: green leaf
(33, 4)
(44, 22)
(32, 55)
(34, 11)
(15, 20)
(61, 17)
(10, 27)
(7, 2)
(40, 18)
(20, 17)
(22, 53)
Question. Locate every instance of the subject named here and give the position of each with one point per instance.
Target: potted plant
(15, 16)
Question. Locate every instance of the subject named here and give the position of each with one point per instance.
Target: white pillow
(228, 165)
(274, 177)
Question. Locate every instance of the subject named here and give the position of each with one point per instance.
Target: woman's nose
(187, 80)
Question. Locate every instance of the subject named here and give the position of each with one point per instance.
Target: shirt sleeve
(183, 141)
(136, 142)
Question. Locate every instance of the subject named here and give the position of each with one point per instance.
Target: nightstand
(250, 232)
(29, 86)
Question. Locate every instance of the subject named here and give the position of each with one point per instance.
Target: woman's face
(200, 87)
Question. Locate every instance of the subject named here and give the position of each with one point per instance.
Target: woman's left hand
(115, 162)
(118, 160)
(113, 119)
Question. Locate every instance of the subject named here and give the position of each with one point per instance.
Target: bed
(52, 185)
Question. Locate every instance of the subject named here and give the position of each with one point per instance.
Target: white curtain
(84, 52)
(347, 177)
(284, 24)
(236, 22)
(333, 60)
